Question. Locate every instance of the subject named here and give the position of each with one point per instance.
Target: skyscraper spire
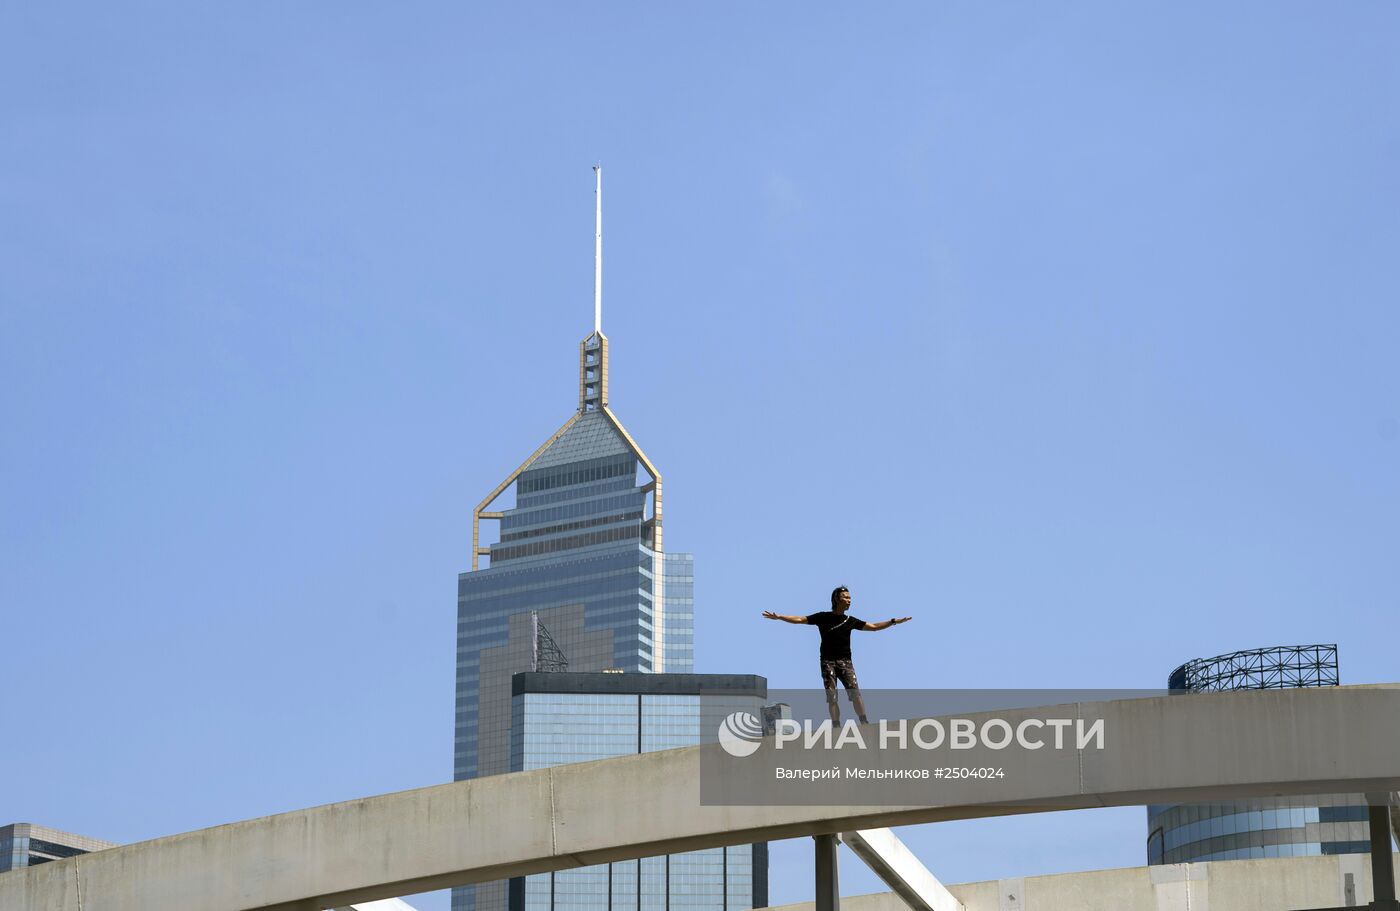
(593, 350)
(598, 250)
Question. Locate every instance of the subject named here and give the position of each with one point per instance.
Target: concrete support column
(828, 885)
(1382, 872)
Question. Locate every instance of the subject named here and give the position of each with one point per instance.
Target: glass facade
(564, 718)
(14, 851)
(1241, 830)
(679, 598)
(579, 555)
(1271, 827)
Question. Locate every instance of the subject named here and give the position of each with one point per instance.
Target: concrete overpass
(1276, 884)
(1174, 749)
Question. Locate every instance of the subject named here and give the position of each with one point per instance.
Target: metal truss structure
(1276, 668)
(548, 656)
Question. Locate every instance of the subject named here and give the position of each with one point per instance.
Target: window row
(562, 495)
(549, 478)
(593, 506)
(571, 526)
(609, 536)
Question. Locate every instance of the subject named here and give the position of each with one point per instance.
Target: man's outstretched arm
(783, 617)
(885, 624)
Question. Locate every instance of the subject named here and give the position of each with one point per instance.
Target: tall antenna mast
(598, 251)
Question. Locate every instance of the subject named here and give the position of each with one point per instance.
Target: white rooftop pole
(598, 252)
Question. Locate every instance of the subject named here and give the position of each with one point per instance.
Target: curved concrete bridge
(1173, 749)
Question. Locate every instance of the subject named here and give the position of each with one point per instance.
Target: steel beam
(898, 868)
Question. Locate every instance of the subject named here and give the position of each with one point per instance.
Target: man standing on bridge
(836, 627)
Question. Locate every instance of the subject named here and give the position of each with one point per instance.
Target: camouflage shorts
(844, 671)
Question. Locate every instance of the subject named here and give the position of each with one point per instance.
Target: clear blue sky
(1069, 329)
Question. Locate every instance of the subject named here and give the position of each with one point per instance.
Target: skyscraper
(567, 717)
(24, 844)
(580, 553)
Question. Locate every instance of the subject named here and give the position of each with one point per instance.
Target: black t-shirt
(836, 633)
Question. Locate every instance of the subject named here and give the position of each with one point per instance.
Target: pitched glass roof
(591, 436)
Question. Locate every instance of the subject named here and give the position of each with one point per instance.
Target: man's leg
(860, 707)
(852, 685)
(833, 708)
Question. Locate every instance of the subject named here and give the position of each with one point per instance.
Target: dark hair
(836, 592)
